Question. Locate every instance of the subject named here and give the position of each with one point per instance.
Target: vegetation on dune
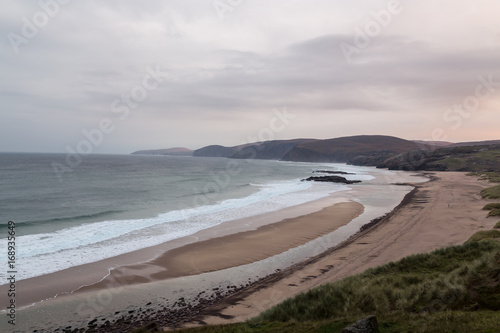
(494, 212)
(493, 177)
(447, 279)
(497, 226)
(491, 206)
(494, 209)
(448, 321)
(485, 235)
(491, 192)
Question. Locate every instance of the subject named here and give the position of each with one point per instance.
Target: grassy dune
(491, 192)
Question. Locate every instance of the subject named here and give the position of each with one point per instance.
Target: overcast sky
(160, 74)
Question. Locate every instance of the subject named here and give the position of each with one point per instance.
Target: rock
(332, 179)
(364, 325)
(333, 172)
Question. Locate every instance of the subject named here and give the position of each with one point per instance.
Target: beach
(274, 257)
(443, 212)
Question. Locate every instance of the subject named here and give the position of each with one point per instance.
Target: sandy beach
(443, 212)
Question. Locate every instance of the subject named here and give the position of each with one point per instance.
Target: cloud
(234, 72)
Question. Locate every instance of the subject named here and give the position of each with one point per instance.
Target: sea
(107, 205)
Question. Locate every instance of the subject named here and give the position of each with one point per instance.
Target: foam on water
(50, 252)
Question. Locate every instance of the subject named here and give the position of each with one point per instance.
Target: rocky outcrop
(332, 179)
(333, 172)
(364, 325)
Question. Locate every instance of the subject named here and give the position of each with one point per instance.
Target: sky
(118, 76)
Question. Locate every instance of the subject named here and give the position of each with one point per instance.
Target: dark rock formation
(332, 179)
(365, 325)
(333, 172)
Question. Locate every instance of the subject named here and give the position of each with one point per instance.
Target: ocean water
(114, 204)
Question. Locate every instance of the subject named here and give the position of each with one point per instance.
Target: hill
(269, 150)
(452, 158)
(364, 150)
(369, 149)
(215, 151)
(476, 143)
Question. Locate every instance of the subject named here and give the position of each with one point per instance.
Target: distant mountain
(434, 143)
(476, 143)
(368, 150)
(269, 150)
(215, 151)
(177, 151)
(361, 149)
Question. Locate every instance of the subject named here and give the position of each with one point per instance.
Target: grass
(441, 322)
(492, 206)
(419, 283)
(491, 192)
(485, 235)
(494, 212)
(493, 177)
(452, 163)
(497, 226)
(494, 209)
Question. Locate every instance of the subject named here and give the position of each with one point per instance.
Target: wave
(77, 245)
(72, 218)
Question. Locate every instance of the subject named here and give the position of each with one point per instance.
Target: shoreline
(237, 249)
